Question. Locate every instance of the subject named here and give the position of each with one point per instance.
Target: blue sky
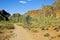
(22, 6)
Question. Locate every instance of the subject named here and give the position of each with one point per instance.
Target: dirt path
(21, 34)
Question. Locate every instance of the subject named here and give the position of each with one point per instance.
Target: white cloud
(23, 2)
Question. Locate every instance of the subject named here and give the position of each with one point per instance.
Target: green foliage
(41, 22)
(46, 19)
(46, 35)
(7, 25)
(57, 28)
(34, 30)
(28, 20)
(59, 35)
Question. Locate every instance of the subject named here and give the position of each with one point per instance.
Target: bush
(1, 32)
(34, 31)
(57, 28)
(58, 35)
(44, 28)
(5, 24)
(47, 35)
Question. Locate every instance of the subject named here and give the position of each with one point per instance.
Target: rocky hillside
(49, 10)
(4, 15)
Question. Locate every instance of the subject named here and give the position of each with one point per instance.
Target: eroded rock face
(4, 15)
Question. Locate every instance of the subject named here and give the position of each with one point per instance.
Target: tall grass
(44, 22)
(6, 24)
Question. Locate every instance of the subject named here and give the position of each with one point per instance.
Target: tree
(16, 16)
(28, 19)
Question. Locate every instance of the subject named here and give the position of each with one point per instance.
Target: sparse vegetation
(44, 18)
(58, 35)
(33, 30)
(57, 28)
(46, 35)
(6, 24)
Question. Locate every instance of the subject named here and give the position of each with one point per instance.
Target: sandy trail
(21, 34)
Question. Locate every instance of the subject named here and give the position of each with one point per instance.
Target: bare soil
(20, 33)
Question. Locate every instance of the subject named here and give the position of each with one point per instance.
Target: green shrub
(1, 32)
(6, 24)
(46, 35)
(52, 37)
(44, 28)
(34, 30)
(58, 35)
(57, 28)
